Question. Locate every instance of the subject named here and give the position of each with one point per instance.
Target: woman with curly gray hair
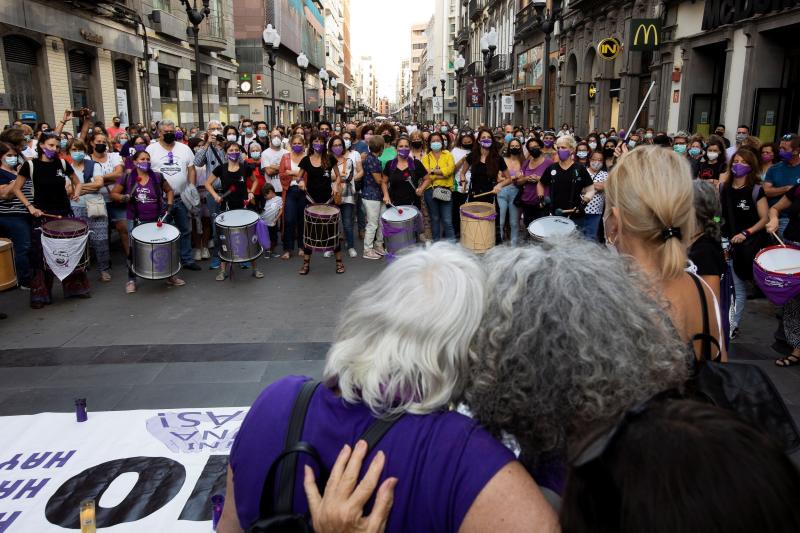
(547, 367)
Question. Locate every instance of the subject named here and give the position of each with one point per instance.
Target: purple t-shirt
(442, 460)
(145, 203)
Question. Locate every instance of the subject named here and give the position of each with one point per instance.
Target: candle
(88, 524)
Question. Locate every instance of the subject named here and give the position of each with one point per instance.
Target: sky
(382, 29)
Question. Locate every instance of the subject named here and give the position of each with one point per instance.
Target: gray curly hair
(568, 342)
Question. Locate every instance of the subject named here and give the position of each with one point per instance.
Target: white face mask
(216, 132)
(347, 144)
(712, 156)
(596, 165)
(232, 138)
(276, 141)
(593, 146)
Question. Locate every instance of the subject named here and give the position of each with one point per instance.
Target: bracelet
(746, 234)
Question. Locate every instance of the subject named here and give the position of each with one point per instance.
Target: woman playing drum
(142, 190)
(48, 174)
(236, 195)
(404, 179)
(315, 180)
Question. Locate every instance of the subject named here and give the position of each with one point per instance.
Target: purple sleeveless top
(442, 460)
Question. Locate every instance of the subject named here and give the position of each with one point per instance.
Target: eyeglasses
(787, 137)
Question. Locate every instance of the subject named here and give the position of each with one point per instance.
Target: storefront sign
(609, 48)
(284, 93)
(592, 91)
(91, 37)
(475, 92)
(508, 104)
(720, 12)
(646, 34)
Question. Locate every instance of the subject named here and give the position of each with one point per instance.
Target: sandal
(286, 256)
(339, 267)
(305, 268)
(789, 360)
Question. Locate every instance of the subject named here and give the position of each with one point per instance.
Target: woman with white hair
(454, 475)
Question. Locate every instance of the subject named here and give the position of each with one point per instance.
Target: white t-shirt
(172, 164)
(107, 167)
(272, 158)
(271, 209)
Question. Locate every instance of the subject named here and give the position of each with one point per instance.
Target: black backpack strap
(375, 432)
(706, 338)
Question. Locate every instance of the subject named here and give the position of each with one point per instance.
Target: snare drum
(400, 226)
(8, 273)
(155, 251)
(477, 226)
(321, 227)
(545, 228)
(776, 271)
(238, 240)
(66, 229)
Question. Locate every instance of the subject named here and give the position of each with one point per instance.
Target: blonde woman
(650, 216)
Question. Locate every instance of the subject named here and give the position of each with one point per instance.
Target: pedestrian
(271, 160)
(347, 164)
(201, 221)
(768, 153)
(568, 182)
(110, 167)
(15, 213)
(532, 171)
(257, 179)
(294, 199)
(438, 195)
(713, 164)
(389, 134)
(705, 250)
(273, 206)
(374, 199)
(404, 179)
(507, 197)
(596, 206)
(784, 174)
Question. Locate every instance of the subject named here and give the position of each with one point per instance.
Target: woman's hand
(534, 178)
(497, 188)
(218, 199)
(302, 185)
(387, 200)
(341, 510)
(76, 193)
(420, 191)
(772, 225)
(34, 211)
(250, 198)
(737, 239)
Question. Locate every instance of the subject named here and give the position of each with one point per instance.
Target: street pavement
(215, 344)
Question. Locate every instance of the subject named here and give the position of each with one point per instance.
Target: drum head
(478, 210)
(393, 214)
(780, 260)
(151, 233)
(64, 227)
(236, 218)
(549, 227)
(322, 210)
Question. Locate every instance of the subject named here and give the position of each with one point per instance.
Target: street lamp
(334, 83)
(459, 64)
(547, 20)
(196, 16)
(443, 80)
(323, 76)
(433, 109)
(302, 62)
(488, 46)
(273, 41)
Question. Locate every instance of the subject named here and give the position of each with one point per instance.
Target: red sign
(474, 92)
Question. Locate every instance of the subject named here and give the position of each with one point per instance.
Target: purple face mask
(486, 143)
(51, 154)
(403, 152)
(234, 156)
(179, 135)
(337, 150)
(140, 147)
(297, 148)
(143, 166)
(740, 169)
(785, 155)
(548, 143)
(563, 154)
(317, 147)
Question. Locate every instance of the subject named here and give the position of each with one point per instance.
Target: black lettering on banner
(160, 480)
(212, 481)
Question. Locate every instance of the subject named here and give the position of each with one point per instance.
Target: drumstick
(310, 199)
(399, 209)
(483, 194)
(778, 239)
(560, 212)
(48, 215)
(230, 190)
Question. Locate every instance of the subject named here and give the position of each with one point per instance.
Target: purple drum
(321, 227)
(776, 271)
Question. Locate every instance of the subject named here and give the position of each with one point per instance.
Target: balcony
(526, 22)
(462, 37)
(501, 66)
(211, 34)
(474, 9)
(474, 69)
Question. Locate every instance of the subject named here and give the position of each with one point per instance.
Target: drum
(477, 226)
(321, 227)
(66, 229)
(155, 251)
(400, 226)
(8, 274)
(238, 240)
(545, 228)
(776, 271)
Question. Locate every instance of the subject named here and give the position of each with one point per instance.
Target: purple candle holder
(217, 503)
(80, 410)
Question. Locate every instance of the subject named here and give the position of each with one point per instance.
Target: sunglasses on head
(787, 137)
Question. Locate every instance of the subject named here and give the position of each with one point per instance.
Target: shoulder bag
(95, 203)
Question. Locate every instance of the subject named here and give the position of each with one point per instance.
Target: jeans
(441, 214)
(505, 200)
(589, 224)
(18, 229)
(782, 223)
(361, 214)
(740, 298)
(348, 218)
(373, 235)
(293, 218)
(181, 218)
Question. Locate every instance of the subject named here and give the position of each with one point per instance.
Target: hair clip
(717, 219)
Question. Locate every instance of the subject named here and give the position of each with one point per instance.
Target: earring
(610, 241)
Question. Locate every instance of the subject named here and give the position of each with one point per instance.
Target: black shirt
(318, 179)
(49, 178)
(707, 255)
(566, 185)
(237, 180)
(745, 212)
(792, 231)
(403, 183)
(707, 171)
(481, 181)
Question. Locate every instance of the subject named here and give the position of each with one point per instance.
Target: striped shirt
(13, 206)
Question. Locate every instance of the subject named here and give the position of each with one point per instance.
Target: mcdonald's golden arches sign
(645, 34)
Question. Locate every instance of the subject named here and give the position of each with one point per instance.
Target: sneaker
(197, 254)
(258, 274)
(380, 251)
(370, 254)
(175, 281)
(205, 254)
(352, 252)
(130, 287)
(215, 262)
(734, 333)
(327, 254)
(192, 266)
(24, 287)
(105, 276)
(221, 275)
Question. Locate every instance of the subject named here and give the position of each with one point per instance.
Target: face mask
(785, 155)
(232, 138)
(535, 152)
(276, 142)
(648, 135)
(337, 129)
(144, 166)
(596, 165)
(179, 135)
(297, 148)
(117, 123)
(416, 145)
(679, 148)
(100, 148)
(214, 133)
(608, 153)
(467, 146)
(631, 144)
(63, 143)
(486, 143)
(11, 161)
(248, 130)
(740, 137)
(317, 147)
(602, 141)
(436, 146)
(140, 147)
(740, 169)
(169, 137)
(514, 151)
(255, 155)
(337, 150)
(767, 157)
(50, 154)
(347, 143)
(548, 143)
(583, 154)
(77, 156)
(387, 139)
(325, 133)
(593, 146)
(403, 152)
(443, 129)
(261, 133)
(508, 137)
(712, 156)
(234, 156)
(27, 138)
(694, 152)
(563, 154)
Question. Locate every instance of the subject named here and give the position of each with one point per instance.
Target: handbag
(742, 388)
(443, 194)
(96, 206)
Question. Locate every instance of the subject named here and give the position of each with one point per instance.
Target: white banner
(146, 470)
(63, 255)
(122, 107)
(507, 104)
(437, 105)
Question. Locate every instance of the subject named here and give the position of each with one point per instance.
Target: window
(168, 83)
(214, 20)
(452, 28)
(80, 74)
(22, 62)
(162, 5)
